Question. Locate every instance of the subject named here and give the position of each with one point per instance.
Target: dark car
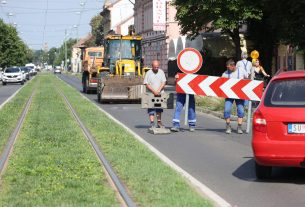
(278, 138)
(26, 71)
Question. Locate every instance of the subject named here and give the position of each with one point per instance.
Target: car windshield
(12, 70)
(286, 93)
(25, 69)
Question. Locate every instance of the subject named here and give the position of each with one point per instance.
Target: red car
(278, 135)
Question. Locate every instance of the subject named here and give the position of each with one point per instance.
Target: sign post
(189, 61)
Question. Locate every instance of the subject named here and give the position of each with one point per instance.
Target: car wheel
(3, 83)
(263, 172)
(22, 82)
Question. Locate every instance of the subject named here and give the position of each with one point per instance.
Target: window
(95, 54)
(12, 70)
(286, 93)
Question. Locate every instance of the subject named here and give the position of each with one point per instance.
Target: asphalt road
(7, 90)
(222, 162)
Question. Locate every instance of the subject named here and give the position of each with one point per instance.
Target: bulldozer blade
(122, 81)
(117, 93)
(159, 131)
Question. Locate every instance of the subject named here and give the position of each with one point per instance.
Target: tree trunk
(236, 40)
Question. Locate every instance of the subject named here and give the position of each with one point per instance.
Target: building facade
(155, 22)
(288, 58)
(118, 15)
(77, 48)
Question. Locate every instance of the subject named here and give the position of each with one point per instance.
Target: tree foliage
(13, 51)
(228, 16)
(97, 30)
(60, 54)
(269, 23)
(287, 21)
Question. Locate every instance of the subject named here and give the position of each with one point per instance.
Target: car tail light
(259, 122)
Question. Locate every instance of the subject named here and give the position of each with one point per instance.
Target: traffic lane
(71, 80)
(222, 162)
(8, 90)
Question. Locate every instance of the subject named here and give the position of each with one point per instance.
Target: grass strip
(151, 182)
(11, 112)
(52, 163)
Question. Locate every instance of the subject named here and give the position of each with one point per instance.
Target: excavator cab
(123, 55)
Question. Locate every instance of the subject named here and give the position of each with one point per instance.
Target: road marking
(203, 189)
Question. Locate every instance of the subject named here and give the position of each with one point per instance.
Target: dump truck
(92, 59)
(122, 74)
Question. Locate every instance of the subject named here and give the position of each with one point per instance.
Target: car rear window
(286, 93)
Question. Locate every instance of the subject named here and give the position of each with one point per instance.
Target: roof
(110, 3)
(81, 42)
(290, 74)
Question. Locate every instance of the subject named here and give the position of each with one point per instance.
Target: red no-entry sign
(189, 60)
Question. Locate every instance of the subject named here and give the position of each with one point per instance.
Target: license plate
(296, 128)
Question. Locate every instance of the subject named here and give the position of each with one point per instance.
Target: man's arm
(151, 89)
(160, 88)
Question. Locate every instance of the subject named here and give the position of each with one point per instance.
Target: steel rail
(114, 178)
(9, 146)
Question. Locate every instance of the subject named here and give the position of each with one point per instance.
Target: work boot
(228, 129)
(239, 130)
(152, 125)
(175, 129)
(160, 125)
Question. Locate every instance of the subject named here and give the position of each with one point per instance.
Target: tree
(60, 55)
(282, 22)
(13, 51)
(287, 18)
(29, 55)
(195, 16)
(52, 55)
(97, 29)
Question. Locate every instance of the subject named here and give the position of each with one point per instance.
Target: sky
(43, 24)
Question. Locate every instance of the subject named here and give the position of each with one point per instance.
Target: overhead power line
(45, 24)
(35, 8)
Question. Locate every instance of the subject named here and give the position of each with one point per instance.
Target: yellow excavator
(122, 73)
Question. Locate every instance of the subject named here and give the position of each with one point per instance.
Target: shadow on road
(279, 175)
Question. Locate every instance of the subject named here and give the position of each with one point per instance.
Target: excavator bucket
(119, 88)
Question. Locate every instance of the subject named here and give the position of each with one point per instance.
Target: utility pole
(65, 50)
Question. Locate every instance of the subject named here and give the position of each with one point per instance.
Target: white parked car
(13, 75)
(57, 71)
(1, 75)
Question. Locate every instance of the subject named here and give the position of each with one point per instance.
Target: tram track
(13, 137)
(112, 177)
